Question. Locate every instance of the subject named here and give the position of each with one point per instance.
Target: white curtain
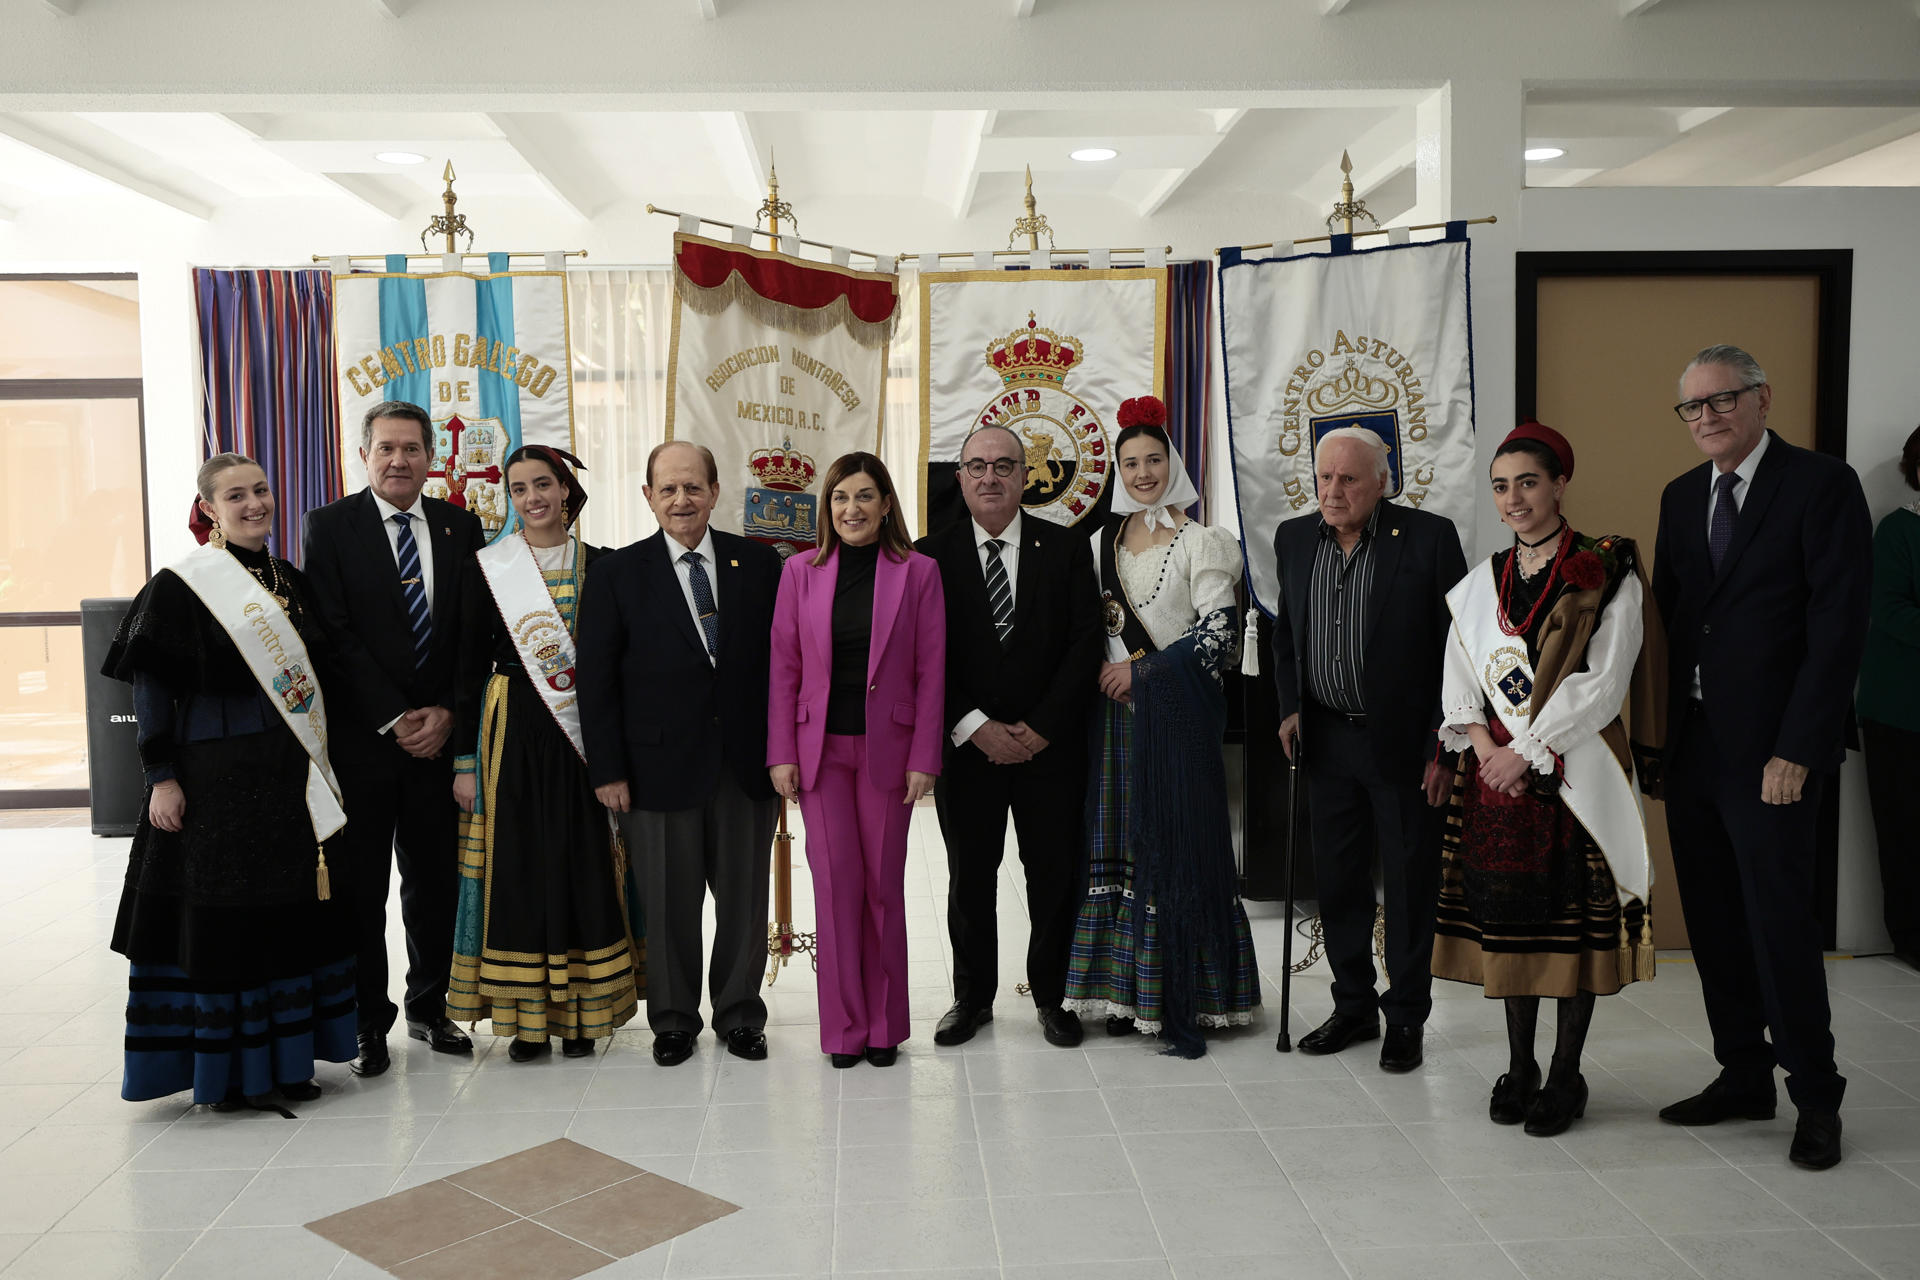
(621, 321)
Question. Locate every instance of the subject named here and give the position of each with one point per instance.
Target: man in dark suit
(1761, 571)
(1023, 655)
(673, 664)
(387, 566)
(1357, 644)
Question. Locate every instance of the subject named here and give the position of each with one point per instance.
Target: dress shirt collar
(1750, 465)
(678, 550)
(1010, 535)
(388, 511)
(1366, 534)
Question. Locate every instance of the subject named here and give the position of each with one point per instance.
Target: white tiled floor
(1005, 1158)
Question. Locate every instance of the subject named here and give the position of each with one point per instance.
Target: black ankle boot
(1558, 1104)
(1513, 1094)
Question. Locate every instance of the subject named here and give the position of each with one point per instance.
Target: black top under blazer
(654, 710)
(348, 557)
(1778, 633)
(1048, 674)
(1418, 561)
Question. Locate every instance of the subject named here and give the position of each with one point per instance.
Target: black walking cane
(1295, 777)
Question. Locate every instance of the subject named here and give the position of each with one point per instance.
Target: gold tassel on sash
(1643, 959)
(1623, 955)
(322, 884)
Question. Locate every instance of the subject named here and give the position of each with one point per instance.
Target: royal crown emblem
(778, 510)
(1063, 443)
(1354, 381)
(784, 468)
(1033, 356)
(1353, 389)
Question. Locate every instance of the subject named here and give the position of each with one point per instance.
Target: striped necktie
(1720, 532)
(999, 592)
(703, 602)
(414, 587)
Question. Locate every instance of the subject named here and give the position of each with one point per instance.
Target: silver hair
(1363, 436)
(1751, 374)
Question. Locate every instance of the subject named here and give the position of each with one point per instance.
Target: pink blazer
(906, 668)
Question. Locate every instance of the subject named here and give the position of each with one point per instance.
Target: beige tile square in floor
(551, 1212)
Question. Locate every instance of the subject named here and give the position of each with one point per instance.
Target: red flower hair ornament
(1142, 411)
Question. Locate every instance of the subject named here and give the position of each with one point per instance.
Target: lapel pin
(447, 529)
(1396, 533)
(734, 563)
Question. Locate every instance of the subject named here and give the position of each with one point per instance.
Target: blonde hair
(213, 466)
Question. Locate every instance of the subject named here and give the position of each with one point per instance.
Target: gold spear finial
(1346, 209)
(1033, 223)
(773, 208)
(448, 224)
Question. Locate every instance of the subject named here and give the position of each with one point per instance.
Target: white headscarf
(1177, 496)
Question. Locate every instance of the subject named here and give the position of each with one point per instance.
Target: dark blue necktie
(414, 587)
(703, 602)
(1720, 532)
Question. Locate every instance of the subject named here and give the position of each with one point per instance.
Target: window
(72, 511)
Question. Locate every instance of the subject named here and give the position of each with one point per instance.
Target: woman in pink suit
(853, 733)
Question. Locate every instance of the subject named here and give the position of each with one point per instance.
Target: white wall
(1878, 225)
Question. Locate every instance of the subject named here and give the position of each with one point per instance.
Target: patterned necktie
(414, 587)
(703, 602)
(1720, 533)
(999, 592)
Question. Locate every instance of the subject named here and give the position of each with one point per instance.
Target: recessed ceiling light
(1545, 153)
(1094, 155)
(400, 157)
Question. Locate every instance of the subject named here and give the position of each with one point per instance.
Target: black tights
(1574, 1016)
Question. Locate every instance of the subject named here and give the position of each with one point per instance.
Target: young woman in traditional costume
(547, 937)
(1161, 944)
(242, 958)
(1544, 870)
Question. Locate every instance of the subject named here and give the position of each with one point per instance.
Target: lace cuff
(1453, 727)
(1536, 753)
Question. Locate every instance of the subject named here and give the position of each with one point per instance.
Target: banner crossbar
(1371, 231)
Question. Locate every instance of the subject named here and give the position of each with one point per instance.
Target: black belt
(1351, 717)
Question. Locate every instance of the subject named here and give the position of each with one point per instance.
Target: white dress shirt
(423, 544)
(684, 572)
(1010, 557)
(1748, 466)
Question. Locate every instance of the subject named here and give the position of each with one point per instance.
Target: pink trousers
(857, 850)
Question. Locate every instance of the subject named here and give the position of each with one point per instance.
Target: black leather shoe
(1402, 1050)
(307, 1091)
(1556, 1107)
(1512, 1096)
(844, 1060)
(1119, 1026)
(441, 1035)
(1062, 1027)
(958, 1024)
(1717, 1102)
(528, 1050)
(1816, 1140)
(883, 1057)
(747, 1042)
(577, 1047)
(374, 1059)
(1339, 1031)
(671, 1048)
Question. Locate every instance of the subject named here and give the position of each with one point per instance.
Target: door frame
(1833, 268)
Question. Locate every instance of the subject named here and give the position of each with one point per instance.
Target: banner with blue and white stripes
(484, 353)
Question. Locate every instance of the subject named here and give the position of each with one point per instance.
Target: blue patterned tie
(703, 603)
(414, 587)
(1720, 533)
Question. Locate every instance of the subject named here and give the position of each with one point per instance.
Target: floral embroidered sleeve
(1214, 574)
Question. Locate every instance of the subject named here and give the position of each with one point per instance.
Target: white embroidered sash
(539, 634)
(1599, 792)
(274, 652)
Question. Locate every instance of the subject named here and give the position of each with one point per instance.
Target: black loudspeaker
(118, 783)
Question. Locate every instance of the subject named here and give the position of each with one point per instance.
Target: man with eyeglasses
(1761, 572)
(1023, 655)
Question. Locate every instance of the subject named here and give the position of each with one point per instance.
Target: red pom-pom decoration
(1142, 411)
(1583, 571)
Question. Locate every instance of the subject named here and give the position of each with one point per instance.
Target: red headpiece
(198, 524)
(1531, 430)
(1142, 411)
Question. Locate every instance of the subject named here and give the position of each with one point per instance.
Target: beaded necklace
(1119, 544)
(1546, 588)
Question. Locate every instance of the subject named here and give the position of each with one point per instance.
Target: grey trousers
(725, 845)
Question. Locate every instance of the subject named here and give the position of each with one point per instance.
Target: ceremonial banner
(1380, 339)
(485, 354)
(1049, 355)
(778, 366)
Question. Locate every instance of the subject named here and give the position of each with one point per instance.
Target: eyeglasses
(1722, 402)
(1002, 467)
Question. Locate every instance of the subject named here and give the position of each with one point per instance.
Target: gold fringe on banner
(809, 323)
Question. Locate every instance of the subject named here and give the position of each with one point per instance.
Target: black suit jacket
(1418, 561)
(349, 560)
(655, 711)
(1048, 675)
(1778, 633)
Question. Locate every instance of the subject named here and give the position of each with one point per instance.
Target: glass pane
(43, 697)
(69, 329)
(72, 523)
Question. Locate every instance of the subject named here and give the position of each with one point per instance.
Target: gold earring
(218, 538)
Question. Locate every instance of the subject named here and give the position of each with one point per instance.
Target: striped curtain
(1189, 295)
(266, 366)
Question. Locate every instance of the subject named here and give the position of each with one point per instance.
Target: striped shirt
(1337, 619)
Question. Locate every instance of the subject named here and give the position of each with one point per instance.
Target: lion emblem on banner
(1063, 440)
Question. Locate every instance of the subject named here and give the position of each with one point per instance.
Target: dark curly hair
(1910, 460)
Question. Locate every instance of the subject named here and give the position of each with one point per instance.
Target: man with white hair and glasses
(1358, 643)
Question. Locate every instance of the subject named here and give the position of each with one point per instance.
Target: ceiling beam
(953, 158)
(1331, 7)
(393, 8)
(709, 9)
(741, 156)
(573, 179)
(1023, 8)
(66, 8)
(377, 193)
(99, 166)
(1632, 8)
(1224, 119)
